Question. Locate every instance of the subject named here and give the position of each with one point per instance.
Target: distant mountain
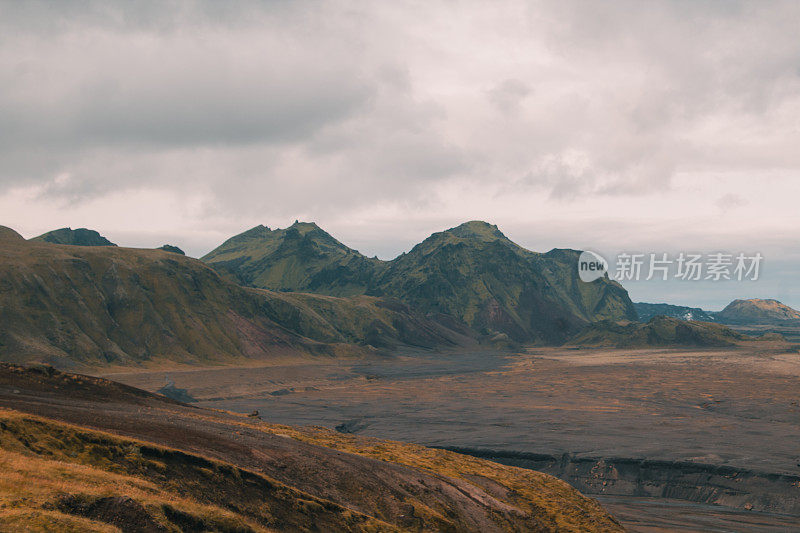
(472, 272)
(173, 249)
(70, 305)
(647, 311)
(658, 331)
(76, 237)
(758, 312)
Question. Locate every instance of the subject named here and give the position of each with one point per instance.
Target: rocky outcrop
(702, 483)
(173, 249)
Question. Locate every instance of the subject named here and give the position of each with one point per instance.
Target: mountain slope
(97, 305)
(363, 320)
(75, 237)
(757, 311)
(472, 272)
(146, 463)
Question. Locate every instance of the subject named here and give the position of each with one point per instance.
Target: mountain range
(299, 290)
(752, 312)
(658, 331)
(646, 311)
(85, 305)
(471, 272)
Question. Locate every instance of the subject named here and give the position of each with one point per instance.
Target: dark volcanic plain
(630, 421)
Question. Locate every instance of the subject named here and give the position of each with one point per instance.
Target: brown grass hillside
(84, 453)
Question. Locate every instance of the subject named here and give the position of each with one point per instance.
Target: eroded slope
(215, 467)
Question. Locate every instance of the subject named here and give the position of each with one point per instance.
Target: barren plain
(704, 440)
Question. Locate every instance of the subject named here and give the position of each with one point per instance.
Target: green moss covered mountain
(302, 257)
(471, 272)
(76, 305)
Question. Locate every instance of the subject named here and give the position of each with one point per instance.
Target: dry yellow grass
(58, 473)
(527, 490)
(44, 463)
(30, 487)
(32, 520)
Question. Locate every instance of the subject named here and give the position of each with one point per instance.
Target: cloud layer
(658, 124)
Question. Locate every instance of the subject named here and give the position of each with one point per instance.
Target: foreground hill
(75, 237)
(70, 305)
(757, 311)
(81, 453)
(472, 272)
(658, 331)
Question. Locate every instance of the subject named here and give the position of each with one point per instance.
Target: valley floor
(738, 408)
(79, 453)
(664, 515)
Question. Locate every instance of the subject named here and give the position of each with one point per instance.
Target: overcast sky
(624, 125)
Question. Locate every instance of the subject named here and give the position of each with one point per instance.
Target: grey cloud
(92, 85)
(46, 17)
(730, 201)
(509, 94)
(626, 85)
(184, 114)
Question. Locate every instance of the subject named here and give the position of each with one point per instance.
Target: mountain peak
(75, 237)
(477, 229)
(304, 227)
(299, 257)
